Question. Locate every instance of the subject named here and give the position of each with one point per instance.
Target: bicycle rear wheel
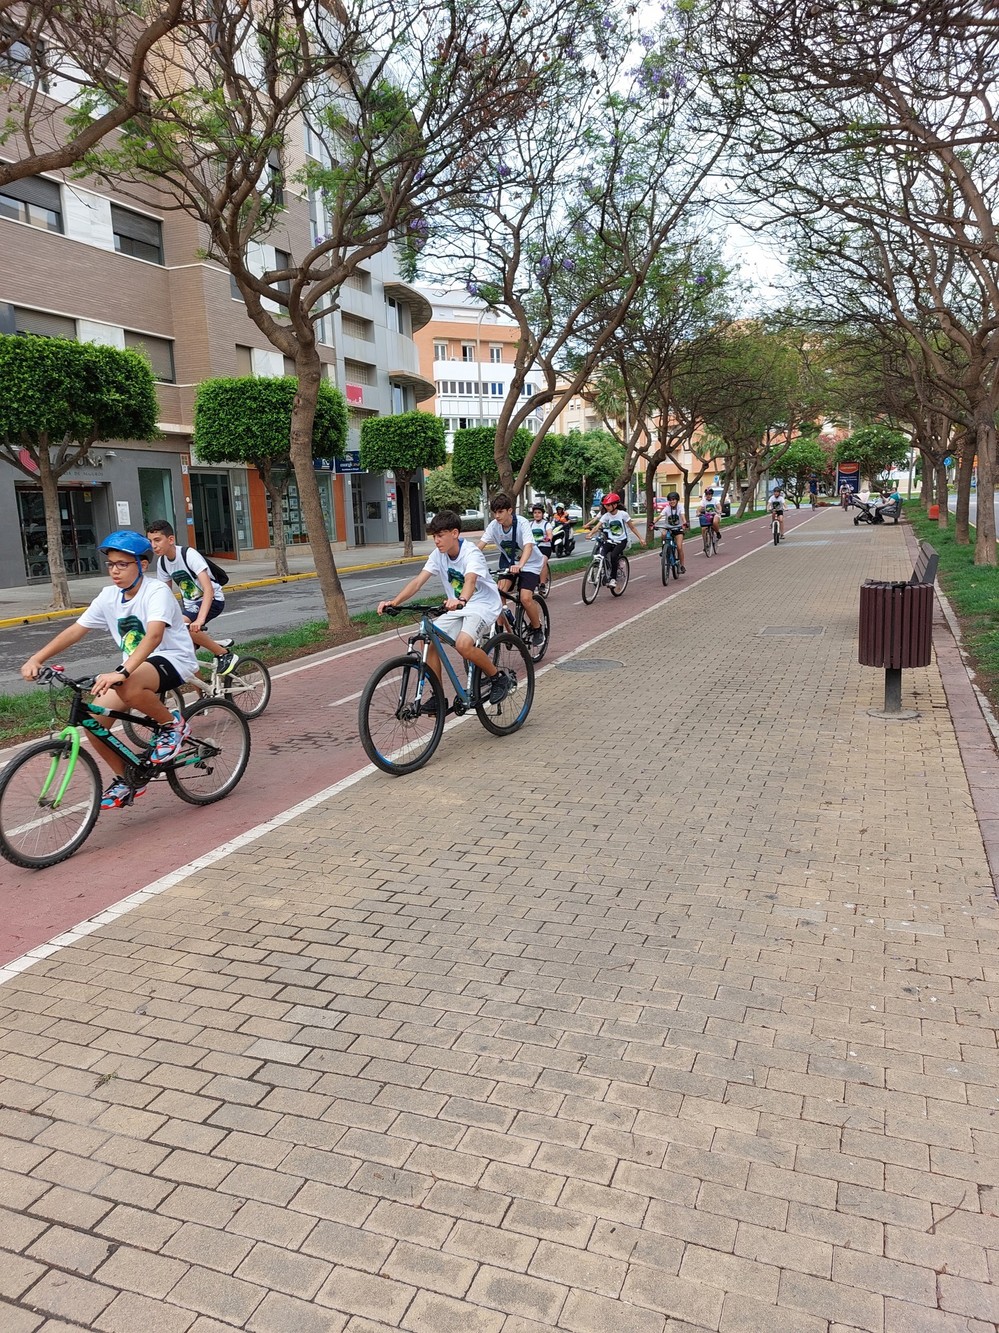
(592, 580)
(214, 757)
(38, 826)
(401, 715)
(623, 575)
(248, 686)
(522, 629)
(511, 657)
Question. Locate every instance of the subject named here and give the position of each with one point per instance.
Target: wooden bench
(925, 570)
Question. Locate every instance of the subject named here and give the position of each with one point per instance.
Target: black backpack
(217, 572)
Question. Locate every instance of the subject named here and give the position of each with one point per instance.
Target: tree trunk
(53, 529)
(985, 444)
(926, 488)
(303, 415)
(941, 493)
(402, 481)
(650, 504)
(277, 491)
(965, 469)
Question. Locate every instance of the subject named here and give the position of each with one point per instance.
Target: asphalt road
(252, 614)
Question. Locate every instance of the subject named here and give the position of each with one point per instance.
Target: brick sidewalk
(604, 1044)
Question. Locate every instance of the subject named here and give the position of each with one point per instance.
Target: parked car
(472, 520)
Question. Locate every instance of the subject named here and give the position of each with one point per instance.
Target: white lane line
(153, 890)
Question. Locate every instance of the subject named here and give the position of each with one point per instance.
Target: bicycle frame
(429, 634)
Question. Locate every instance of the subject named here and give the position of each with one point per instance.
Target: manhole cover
(793, 631)
(591, 664)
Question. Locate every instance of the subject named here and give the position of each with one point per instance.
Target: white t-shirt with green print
(451, 571)
(186, 579)
(126, 620)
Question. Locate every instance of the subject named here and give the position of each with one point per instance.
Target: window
(137, 235)
(359, 280)
(355, 327)
(275, 176)
(395, 315)
(497, 390)
(234, 291)
(23, 61)
(282, 260)
(468, 351)
(159, 352)
(42, 324)
(496, 353)
(289, 367)
(399, 398)
(359, 372)
(32, 200)
(244, 360)
(440, 351)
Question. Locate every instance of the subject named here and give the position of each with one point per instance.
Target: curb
(39, 617)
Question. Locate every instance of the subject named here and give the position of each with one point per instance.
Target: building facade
(78, 261)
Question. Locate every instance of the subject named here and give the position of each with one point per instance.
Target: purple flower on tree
(545, 266)
(503, 171)
(472, 288)
(568, 265)
(700, 280)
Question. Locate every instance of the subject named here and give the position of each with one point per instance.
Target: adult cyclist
(614, 523)
(775, 505)
(709, 513)
(674, 520)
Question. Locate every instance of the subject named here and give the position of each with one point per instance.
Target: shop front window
(78, 520)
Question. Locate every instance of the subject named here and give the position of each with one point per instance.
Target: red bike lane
(304, 744)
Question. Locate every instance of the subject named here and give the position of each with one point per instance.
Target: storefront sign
(350, 462)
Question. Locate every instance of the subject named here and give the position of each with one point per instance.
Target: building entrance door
(357, 507)
(214, 530)
(77, 506)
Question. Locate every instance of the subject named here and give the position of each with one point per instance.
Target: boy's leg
(530, 607)
(202, 638)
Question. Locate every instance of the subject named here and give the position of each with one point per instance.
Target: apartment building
(79, 261)
(467, 351)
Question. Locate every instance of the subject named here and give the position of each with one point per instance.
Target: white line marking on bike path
(125, 905)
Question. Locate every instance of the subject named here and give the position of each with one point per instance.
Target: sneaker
(225, 663)
(537, 638)
(168, 741)
(120, 793)
(612, 583)
(499, 687)
(430, 708)
(683, 569)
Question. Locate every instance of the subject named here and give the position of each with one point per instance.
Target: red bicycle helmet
(612, 499)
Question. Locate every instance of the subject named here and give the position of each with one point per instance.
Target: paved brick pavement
(606, 1043)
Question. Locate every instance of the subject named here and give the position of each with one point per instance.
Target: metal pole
(893, 690)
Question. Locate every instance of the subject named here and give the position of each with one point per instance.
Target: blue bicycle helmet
(126, 540)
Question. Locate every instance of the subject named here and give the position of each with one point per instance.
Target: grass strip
(973, 591)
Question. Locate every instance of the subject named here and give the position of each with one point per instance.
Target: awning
(409, 379)
(421, 311)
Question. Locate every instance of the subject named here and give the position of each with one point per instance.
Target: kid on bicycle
(614, 523)
(518, 555)
(472, 598)
(156, 653)
(541, 531)
(776, 506)
(672, 519)
(202, 599)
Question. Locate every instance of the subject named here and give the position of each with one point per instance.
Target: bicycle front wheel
(592, 580)
(664, 562)
(523, 630)
(511, 657)
(623, 575)
(214, 757)
(401, 715)
(41, 821)
(248, 686)
(776, 534)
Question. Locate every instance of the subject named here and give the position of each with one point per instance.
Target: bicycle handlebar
(57, 676)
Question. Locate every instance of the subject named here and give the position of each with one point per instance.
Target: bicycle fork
(72, 735)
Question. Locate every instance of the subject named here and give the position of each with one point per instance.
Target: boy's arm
(64, 639)
(411, 589)
(207, 597)
(522, 559)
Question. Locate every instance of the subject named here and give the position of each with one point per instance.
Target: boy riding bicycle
(202, 598)
(541, 531)
(156, 651)
(614, 523)
(518, 555)
(776, 506)
(672, 519)
(472, 599)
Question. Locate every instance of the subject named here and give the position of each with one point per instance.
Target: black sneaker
(683, 569)
(499, 688)
(225, 663)
(537, 638)
(430, 708)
